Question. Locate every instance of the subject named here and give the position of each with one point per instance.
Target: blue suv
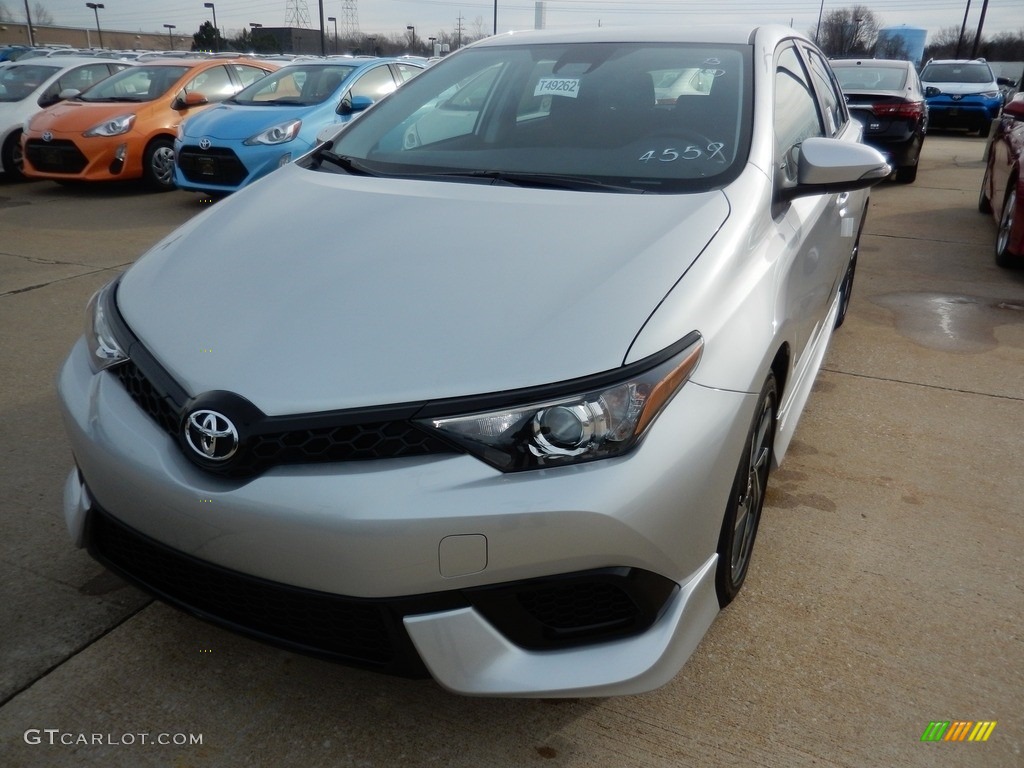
(961, 94)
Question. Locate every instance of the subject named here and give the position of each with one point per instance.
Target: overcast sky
(431, 16)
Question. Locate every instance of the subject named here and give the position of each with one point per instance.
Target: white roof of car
(739, 34)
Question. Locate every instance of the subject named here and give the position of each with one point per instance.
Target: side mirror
(68, 93)
(828, 166)
(930, 91)
(1014, 108)
(354, 104)
(192, 99)
(1006, 81)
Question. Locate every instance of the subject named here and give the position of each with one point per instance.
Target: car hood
(314, 291)
(74, 115)
(962, 88)
(229, 122)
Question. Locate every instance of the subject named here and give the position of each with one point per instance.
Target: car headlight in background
(278, 134)
(603, 420)
(104, 349)
(990, 95)
(115, 126)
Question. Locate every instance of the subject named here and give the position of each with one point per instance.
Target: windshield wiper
(346, 163)
(537, 180)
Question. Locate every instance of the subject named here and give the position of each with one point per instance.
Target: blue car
(278, 119)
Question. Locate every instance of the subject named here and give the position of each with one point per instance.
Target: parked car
(124, 128)
(277, 119)
(961, 94)
(885, 95)
(1002, 187)
(499, 407)
(27, 87)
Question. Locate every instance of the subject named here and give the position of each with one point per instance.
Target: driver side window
(796, 111)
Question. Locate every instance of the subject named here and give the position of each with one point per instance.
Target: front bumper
(228, 168)
(968, 112)
(399, 529)
(73, 156)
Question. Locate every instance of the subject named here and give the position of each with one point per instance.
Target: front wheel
(743, 512)
(906, 174)
(1004, 257)
(158, 165)
(13, 161)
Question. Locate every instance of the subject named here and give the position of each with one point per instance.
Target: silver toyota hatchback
(489, 385)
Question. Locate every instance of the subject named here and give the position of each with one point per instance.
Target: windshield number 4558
(691, 152)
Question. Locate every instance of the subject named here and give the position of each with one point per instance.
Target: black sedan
(886, 96)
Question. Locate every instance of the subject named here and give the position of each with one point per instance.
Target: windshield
(866, 77)
(638, 116)
(296, 85)
(958, 72)
(18, 82)
(144, 83)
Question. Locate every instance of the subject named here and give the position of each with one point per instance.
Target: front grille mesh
(349, 629)
(579, 606)
(58, 156)
(211, 166)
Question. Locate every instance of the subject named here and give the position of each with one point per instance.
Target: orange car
(124, 127)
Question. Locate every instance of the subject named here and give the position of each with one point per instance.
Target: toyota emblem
(204, 143)
(47, 135)
(211, 435)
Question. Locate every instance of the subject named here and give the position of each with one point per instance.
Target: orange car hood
(75, 116)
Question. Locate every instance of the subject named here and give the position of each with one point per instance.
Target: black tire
(984, 203)
(906, 174)
(746, 499)
(846, 287)
(13, 161)
(158, 165)
(983, 127)
(1004, 257)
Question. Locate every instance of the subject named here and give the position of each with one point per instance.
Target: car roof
(894, 63)
(737, 34)
(65, 62)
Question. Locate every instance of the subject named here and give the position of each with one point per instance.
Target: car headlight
(593, 418)
(990, 95)
(104, 349)
(278, 134)
(115, 126)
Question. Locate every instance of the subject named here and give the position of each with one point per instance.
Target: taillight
(908, 109)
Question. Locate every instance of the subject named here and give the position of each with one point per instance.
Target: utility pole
(28, 19)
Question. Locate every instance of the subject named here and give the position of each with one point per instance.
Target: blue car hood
(313, 291)
(237, 122)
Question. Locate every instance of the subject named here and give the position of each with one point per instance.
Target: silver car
(491, 395)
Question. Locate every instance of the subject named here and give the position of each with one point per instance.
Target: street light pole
(170, 38)
(216, 29)
(95, 9)
(335, 20)
(412, 45)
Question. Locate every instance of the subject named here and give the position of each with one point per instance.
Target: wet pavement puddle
(951, 323)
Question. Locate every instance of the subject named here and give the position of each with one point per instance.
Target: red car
(1002, 189)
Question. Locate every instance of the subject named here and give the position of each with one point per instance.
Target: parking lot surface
(885, 592)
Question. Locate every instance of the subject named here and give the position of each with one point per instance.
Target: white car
(497, 405)
(29, 86)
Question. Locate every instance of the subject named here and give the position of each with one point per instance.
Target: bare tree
(848, 31)
(40, 15)
(943, 43)
(891, 47)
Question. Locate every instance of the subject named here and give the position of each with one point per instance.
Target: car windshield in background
(17, 82)
(144, 83)
(295, 85)
(637, 116)
(966, 72)
(868, 78)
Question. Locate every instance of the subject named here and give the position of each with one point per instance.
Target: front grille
(59, 156)
(315, 438)
(155, 404)
(211, 166)
(350, 630)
